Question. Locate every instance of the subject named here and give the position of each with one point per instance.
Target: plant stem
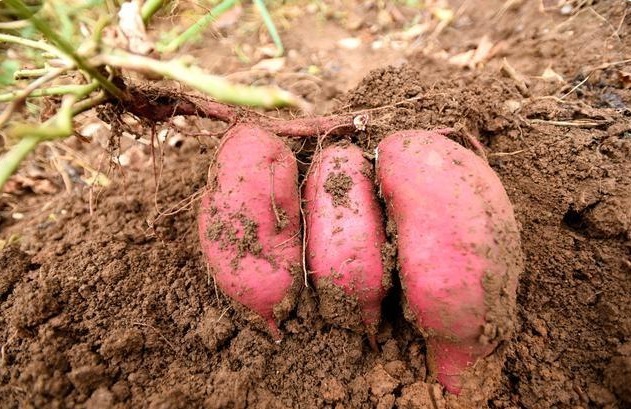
(217, 87)
(11, 160)
(198, 27)
(34, 73)
(149, 8)
(65, 47)
(78, 90)
(18, 97)
(56, 127)
(88, 103)
(99, 26)
(40, 45)
(14, 25)
(29, 137)
(271, 28)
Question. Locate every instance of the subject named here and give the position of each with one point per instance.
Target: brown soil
(107, 304)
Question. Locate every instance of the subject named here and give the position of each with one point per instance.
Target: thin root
(273, 198)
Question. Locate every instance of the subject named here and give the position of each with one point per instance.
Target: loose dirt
(106, 303)
(337, 185)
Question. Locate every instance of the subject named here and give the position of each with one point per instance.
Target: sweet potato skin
(249, 223)
(345, 236)
(458, 247)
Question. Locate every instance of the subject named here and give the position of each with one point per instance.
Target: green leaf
(7, 69)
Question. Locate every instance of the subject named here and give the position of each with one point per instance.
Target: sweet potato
(345, 235)
(249, 223)
(458, 248)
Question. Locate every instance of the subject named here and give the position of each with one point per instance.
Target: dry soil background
(106, 303)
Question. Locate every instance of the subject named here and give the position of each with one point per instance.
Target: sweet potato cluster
(458, 250)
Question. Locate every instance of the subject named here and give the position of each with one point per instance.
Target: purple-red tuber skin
(249, 223)
(458, 247)
(345, 234)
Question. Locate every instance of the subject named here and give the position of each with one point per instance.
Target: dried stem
(160, 105)
(579, 123)
(520, 83)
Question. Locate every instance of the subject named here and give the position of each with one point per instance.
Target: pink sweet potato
(345, 236)
(458, 248)
(249, 223)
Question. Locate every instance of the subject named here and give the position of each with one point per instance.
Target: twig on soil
(222, 314)
(91, 197)
(210, 276)
(154, 140)
(615, 33)
(507, 69)
(500, 154)
(396, 104)
(9, 340)
(576, 124)
(624, 16)
(77, 159)
(142, 324)
(577, 86)
(532, 147)
(58, 163)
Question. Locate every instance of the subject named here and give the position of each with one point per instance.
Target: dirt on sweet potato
(337, 307)
(338, 184)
